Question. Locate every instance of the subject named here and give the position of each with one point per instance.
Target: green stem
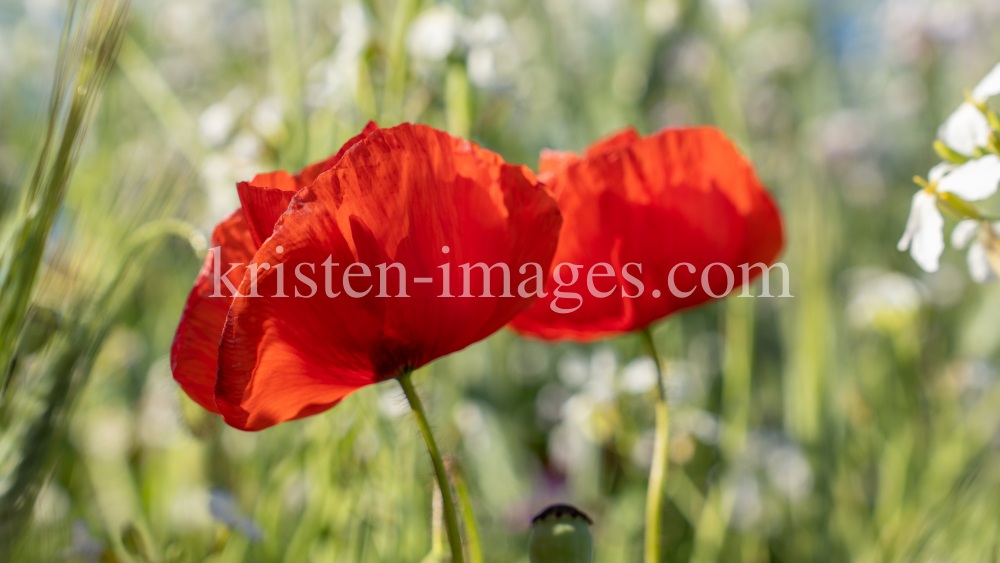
(469, 519)
(658, 469)
(450, 518)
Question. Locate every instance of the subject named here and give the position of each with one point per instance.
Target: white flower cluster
(440, 32)
(333, 82)
(971, 173)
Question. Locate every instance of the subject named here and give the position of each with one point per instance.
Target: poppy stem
(658, 469)
(450, 517)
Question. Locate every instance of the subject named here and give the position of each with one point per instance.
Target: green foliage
(86, 57)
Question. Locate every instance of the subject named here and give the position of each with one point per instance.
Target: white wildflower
(939, 171)
(881, 299)
(216, 123)
(490, 29)
(988, 87)
(638, 376)
(923, 235)
(968, 231)
(975, 180)
(334, 81)
(965, 130)
(434, 33)
(268, 118)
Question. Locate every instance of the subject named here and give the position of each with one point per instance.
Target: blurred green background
(857, 421)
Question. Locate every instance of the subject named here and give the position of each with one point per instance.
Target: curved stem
(450, 518)
(658, 469)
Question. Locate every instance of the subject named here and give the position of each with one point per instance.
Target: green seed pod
(561, 534)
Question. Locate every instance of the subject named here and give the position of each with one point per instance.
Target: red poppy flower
(195, 350)
(636, 209)
(381, 265)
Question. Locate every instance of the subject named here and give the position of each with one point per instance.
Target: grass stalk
(90, 46)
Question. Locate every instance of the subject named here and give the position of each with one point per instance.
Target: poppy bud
(561, 534)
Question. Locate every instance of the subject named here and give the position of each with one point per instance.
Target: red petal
(399, 196)
(552, 162)
(195, 351)
(613, 142)
(267, 196)
(278, 180)
(263, 206)
(677, 196)
(311, 172)
(194, 354)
